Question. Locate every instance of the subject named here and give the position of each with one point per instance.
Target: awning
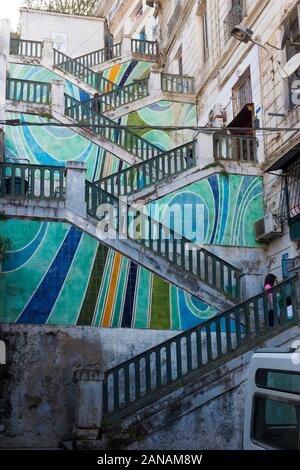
(286, 160)
(244, 118)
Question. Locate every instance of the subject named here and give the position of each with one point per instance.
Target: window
(289, 205)
(292, 47)
(242, 92)
(234, 17)
(276, 380)
(205, 37)
(276, 423)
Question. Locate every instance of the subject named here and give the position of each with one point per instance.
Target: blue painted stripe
(96, 164)
(214, 184)
(39, 153)
(41, 304)
(16, 259)
(127, 72)
(129, 298)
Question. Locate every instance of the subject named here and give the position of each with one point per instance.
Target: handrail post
(75, 188)
(58, 96)
(205, 149)
(155, 85)
(89, 403)
(126, 47)
(48, 54)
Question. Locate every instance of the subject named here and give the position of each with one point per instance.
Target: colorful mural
(168, 114)
(55, 274)
(49, 145)
(219, 210)
(41, 74)
(127, 72)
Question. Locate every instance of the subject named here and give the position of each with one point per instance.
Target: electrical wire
(263, 130)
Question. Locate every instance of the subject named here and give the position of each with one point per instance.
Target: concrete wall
(37, 392)
(72, 35)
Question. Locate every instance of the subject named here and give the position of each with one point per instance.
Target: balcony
(234, 17)
(182, 84)
(235, 147)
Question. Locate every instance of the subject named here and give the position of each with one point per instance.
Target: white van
(272, 415)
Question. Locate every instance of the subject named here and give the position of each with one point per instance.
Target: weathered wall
(73, 35)
(37, 392)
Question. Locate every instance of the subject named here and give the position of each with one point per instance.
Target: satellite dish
(292, 65)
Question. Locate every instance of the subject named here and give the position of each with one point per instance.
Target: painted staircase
(114, 100)
(52, 193)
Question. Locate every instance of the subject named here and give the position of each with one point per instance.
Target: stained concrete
(37, 389)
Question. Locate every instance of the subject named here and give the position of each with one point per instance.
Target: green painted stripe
(160, 317)
(104, 288)
(90, 299)
(142, 307)
(175, 310)
(120, 295)
(65, 312)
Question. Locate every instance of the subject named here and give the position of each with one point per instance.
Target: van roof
(274, 350)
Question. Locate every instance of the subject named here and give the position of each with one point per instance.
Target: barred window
(289, 204)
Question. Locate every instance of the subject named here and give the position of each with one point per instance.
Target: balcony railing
(121, 96)
(87, 75)
(149, 233)
(22, 47)
(107, 128)
(178, 84)
(28, 91)
(100, 56)
(144, 47)
(237, 148)
(143, 379)
(145, 174)
(234, 18)
(19, 180)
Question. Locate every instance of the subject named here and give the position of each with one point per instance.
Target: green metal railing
(83, 113)
(178, 84)
(19, 180)
(87, 75)
(163, 166)
(122, 96)
(144, 47)
(28, 91)
(237, 148)
(133, 224)
(147, 376)
(25, 48)
(101, 56)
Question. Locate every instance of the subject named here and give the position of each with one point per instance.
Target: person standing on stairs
(270, 281)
